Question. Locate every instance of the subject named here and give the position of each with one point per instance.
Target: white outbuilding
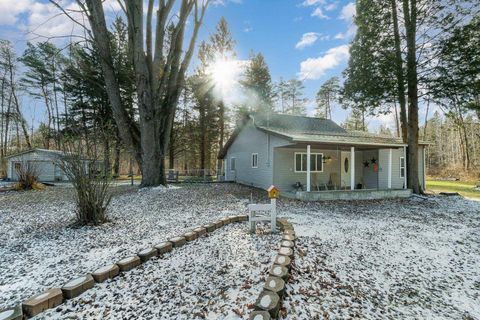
(44, 162)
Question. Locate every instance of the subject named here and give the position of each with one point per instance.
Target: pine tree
(326, 96)
(295, 97)
(258, 83)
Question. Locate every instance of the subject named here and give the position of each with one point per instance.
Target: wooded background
(67, 83)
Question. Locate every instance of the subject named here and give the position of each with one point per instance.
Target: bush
(92, 190)
(27, 176)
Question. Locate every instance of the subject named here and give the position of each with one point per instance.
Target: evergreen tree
(258, 83)
(295, 97)
(326, 96)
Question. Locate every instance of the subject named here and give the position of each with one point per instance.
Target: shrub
(27, 176)
(91, 189)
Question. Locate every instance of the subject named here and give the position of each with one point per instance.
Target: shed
(44, 161)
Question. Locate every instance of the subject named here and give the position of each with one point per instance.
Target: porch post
(405, 167)
(352, 168)
(308, 168)
(424, 170)
(389, 169)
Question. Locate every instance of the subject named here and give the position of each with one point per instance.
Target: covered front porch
(321, 171)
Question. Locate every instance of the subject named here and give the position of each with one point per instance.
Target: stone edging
(268, 302)
(55, 296)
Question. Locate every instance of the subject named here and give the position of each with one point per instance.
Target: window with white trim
(402, 167)
(254, 160)
(233, 166)
(316, 162)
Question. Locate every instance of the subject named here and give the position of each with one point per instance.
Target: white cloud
(224, 2)
(331, 6)
(308, 39)
(319, 13)
(348, 12)
(47, 21)
(11, 9)
(308, 3)
(315, 68)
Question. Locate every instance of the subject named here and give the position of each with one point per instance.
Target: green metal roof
(300, 129)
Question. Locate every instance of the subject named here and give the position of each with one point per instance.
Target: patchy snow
(216, 276)
(39, 249)
(76, 282)
(6, 314)
(391, 259)
(265, 301)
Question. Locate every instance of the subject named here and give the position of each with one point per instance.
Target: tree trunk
(410, 13)
(159, 77)
(397, 124)
(399, 72)
(116, 159)
(171, 153)
(106, 155)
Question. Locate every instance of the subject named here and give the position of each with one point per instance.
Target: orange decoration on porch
(375, 167)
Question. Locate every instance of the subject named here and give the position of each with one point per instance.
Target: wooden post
(389, 177)
(308, 169)
(352, 168)
(273, 201)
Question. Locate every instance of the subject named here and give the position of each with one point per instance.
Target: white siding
(397, 181)
(251, 140)
(44, 164)
(370, 177)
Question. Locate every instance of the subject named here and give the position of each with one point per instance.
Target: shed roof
(52, 152)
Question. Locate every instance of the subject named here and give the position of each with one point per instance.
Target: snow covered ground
(397, 259)
(39, 249)
(373, 259)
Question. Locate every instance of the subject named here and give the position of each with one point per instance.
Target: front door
(345, 169)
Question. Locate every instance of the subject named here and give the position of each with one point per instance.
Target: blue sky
(305, 39)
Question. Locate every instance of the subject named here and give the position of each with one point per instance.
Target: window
(316, 162)
(402, 167)
(254, 160)
(17, 167)
(233, 166)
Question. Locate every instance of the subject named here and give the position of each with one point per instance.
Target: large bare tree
(160, 63)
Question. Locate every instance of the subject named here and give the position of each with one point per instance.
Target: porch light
(326, 159)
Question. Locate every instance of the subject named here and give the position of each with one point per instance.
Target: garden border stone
(190, 236)
(128, 263)
(178, 241)
(54, 297)
(77, 286)
(147, 254)
(43, 301)
(280, 270)
(164, 247)
(14, 313)
(260, 315)
(104, 273)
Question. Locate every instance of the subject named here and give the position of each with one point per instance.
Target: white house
(314, 158)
